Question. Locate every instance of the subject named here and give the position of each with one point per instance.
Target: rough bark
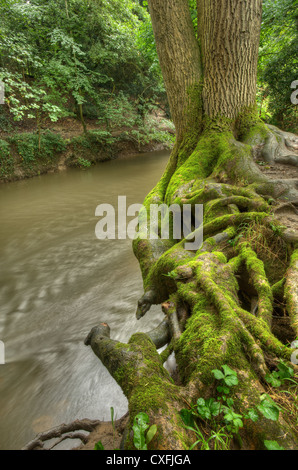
(229, 34)
(180, 61)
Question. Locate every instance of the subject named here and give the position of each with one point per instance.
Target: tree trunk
(229, 34)
(180, 61)
(221, 300)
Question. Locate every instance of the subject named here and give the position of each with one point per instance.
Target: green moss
(247, 119)
(193, 124)
(235, 264)
(199, 165)
(256, 135)
(259, 279)
(278, 289)
(218, 125)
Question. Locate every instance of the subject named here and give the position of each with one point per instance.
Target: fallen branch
(63, 432)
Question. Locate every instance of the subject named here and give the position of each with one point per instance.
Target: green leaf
(228, 371)
(142, 419)
(203, 410)
(231, 380)
(231, 416)
(223, 389)
(140, 424)
(112, 414)
(273, 445)
(139, 438)
(187, 417)
(269, 409)
(151, 433)
(284, 371)
(238, 423)
(253, 415)
(207, 409)
(230, 402)
(99, 446)
(218, 374)
(214, 406)
(273, 379)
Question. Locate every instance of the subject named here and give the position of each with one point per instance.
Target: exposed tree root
(280, 147)
(291, 291)
(62, 433)
(219, 299)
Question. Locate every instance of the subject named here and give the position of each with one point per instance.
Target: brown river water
(57, 281)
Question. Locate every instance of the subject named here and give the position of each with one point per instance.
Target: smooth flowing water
(57, 281)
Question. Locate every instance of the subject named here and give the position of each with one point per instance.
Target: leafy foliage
(278, 64)
(284, 372)
(273, 445)
(54, 64)
(140, 425)
(6, 160)
(30, 149)
(224, 422)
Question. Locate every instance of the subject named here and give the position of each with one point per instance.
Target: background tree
(83, 55)
(220, 302)
(278, 65)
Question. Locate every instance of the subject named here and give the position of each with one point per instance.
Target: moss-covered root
(277, 148)
(291, 291)
(260, 282)
(219, 334)
(236, 162)
(138, 369)
(273, 144)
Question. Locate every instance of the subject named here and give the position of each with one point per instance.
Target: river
(57, 281)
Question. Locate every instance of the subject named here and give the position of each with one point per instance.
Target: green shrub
(27, 146)
(6, 160)
(83, 162)
(93, 138)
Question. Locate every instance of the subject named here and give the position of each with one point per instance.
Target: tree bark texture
(229, 33)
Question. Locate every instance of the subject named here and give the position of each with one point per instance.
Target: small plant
(268, 408)
(141, 439)
(273, 445)
(219, 415)
(99, 446)
(228, 377)
(277, 378)
(277, 229)
(172, 275)
(84, 163)
(209, 410)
